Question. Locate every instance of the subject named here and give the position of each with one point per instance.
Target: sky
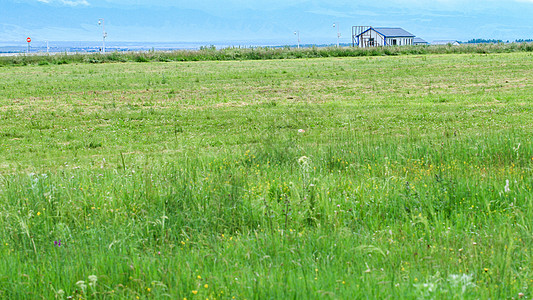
(260, 21)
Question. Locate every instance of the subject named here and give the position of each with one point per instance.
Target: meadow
(323, 178)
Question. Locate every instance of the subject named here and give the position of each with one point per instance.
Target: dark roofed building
(367, 36)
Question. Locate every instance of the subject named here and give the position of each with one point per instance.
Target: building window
(394, 42)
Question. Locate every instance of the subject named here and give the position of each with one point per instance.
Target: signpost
(29, 41)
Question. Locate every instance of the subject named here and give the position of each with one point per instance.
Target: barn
(368, 36)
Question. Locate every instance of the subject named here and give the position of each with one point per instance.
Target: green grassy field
(371, 177)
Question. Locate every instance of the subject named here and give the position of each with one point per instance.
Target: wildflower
(195, 292)
(301, 130)
(57, 243)
(520, 295)
(148, 289)
(303, 160)
(92, 280)
(38, 213)
(206, 286)
(506, 187)
(463, 282)
(486, 269)
(199, 277)
(81, 284)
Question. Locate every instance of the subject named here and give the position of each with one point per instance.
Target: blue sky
(270, 22)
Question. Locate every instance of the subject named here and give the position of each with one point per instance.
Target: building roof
(452, 42)
(418, 40)
(393, 32)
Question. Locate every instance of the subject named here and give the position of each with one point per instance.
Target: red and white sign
(28, 40)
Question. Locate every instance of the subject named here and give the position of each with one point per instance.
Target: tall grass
(402, 177)
(261, 53)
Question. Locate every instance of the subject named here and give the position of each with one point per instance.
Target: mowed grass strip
(404, 177)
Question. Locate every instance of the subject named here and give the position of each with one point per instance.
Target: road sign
(28, 40)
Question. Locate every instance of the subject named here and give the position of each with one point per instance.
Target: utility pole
(336, 24)
(104, 34)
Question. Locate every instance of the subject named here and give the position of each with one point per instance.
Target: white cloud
(66, 2)
(75, 2)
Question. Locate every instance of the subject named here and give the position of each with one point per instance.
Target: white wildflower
(81, 284)
(506, 188)
(461, 282)
(304, 160)
(92, 280)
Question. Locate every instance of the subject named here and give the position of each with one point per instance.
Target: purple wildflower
(57, 243)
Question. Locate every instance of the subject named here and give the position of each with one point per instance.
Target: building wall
(399, 41)
(372, 38)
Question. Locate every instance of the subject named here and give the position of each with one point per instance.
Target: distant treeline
(483, 41)
(493, 41)
(210, 53)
